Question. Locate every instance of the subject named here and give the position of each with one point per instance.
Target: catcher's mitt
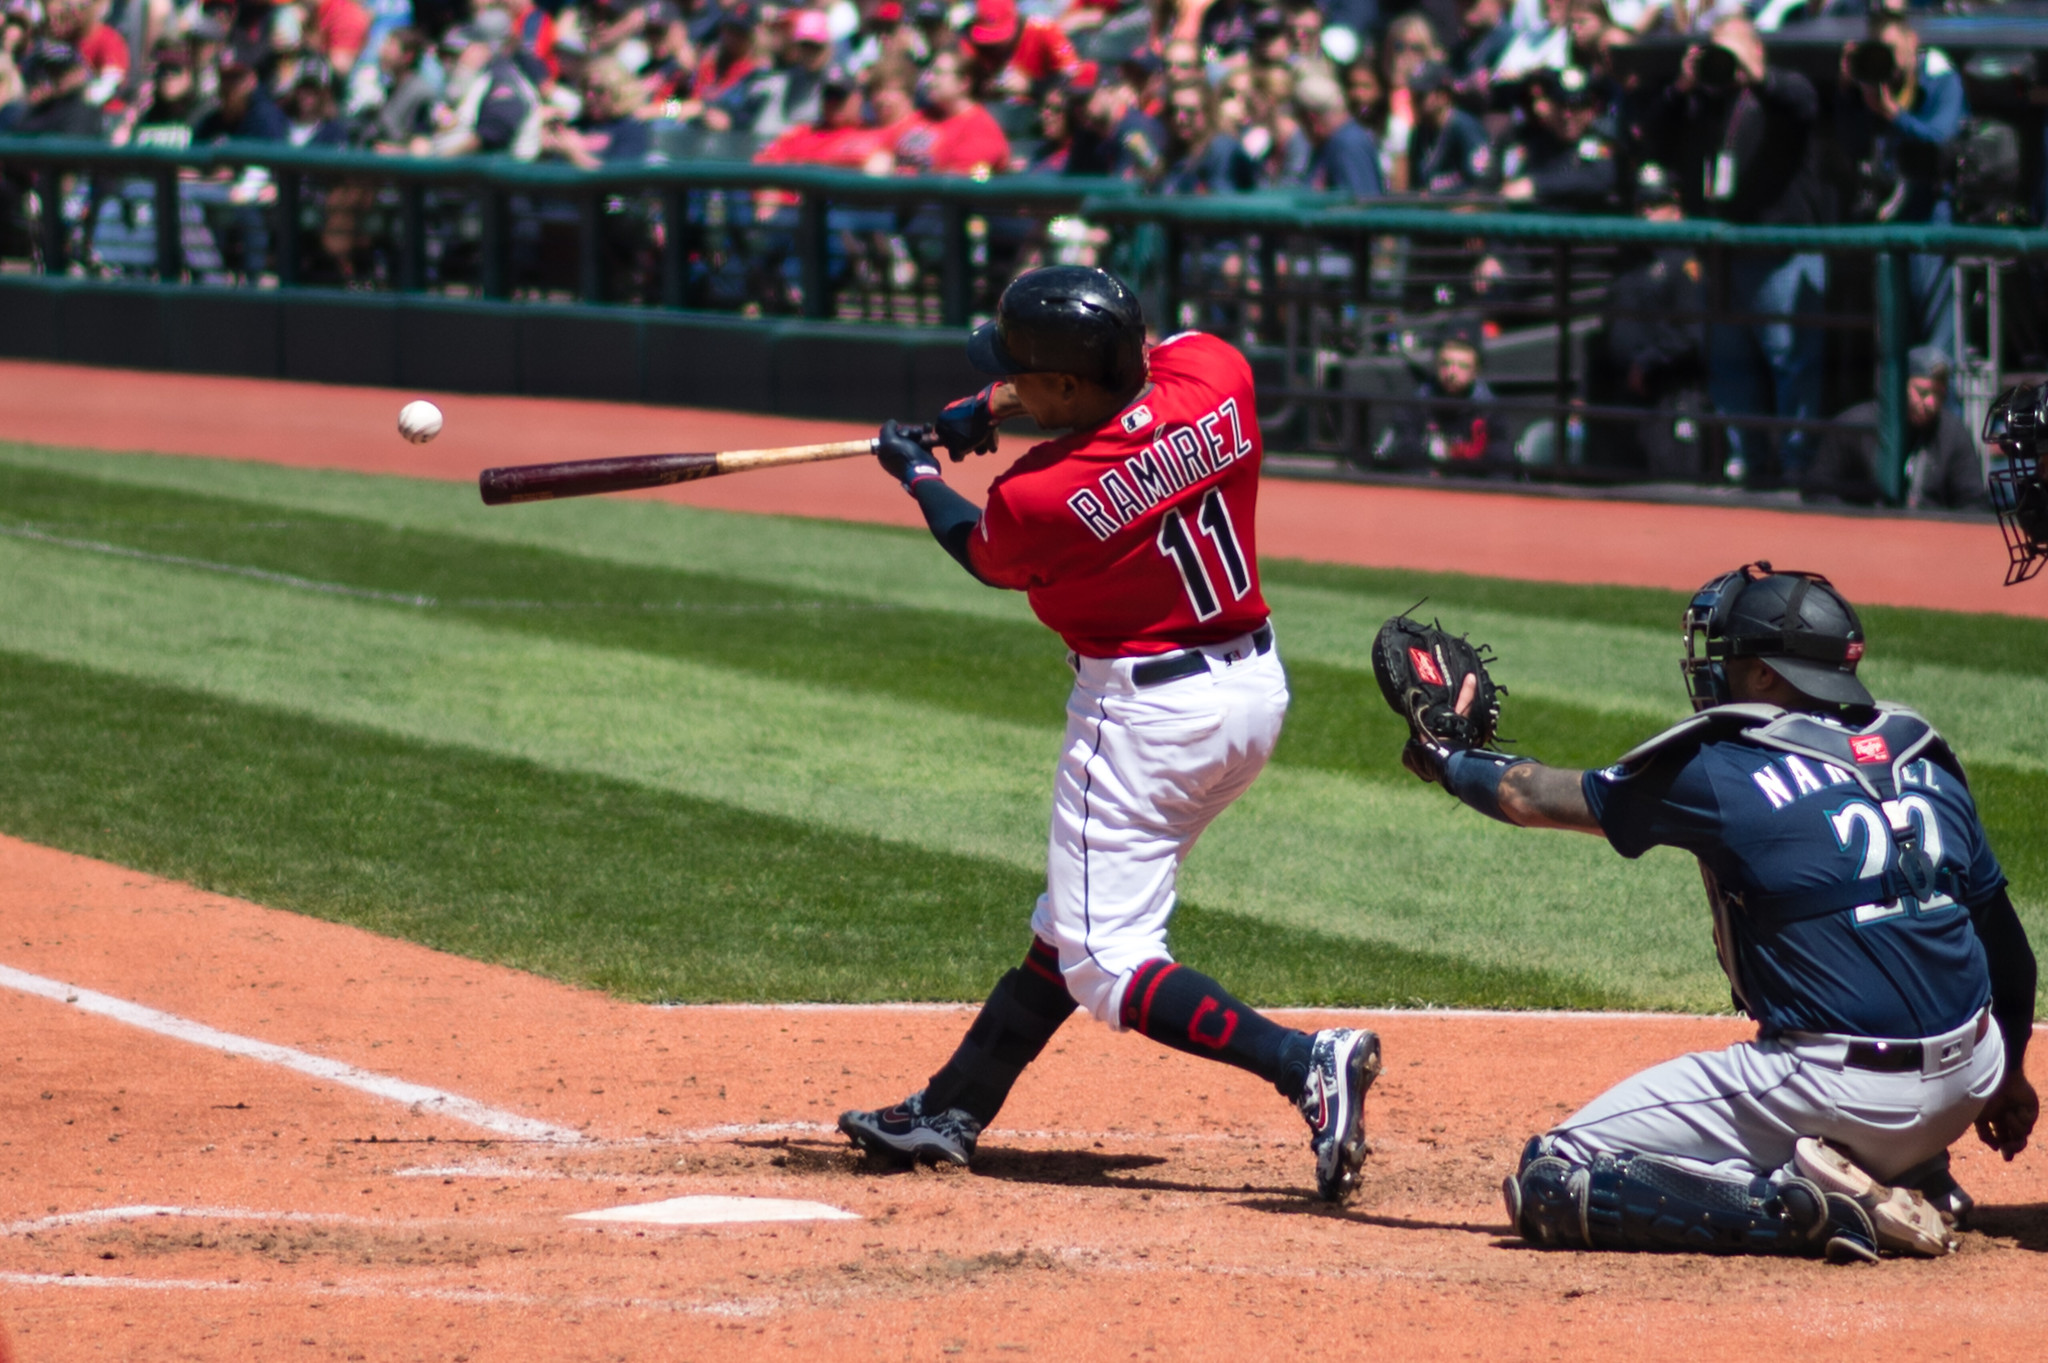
(1421, 670)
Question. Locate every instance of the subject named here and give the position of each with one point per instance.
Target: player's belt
(1189, 662)
(1892, 1057)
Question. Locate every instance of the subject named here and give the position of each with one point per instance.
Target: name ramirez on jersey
(1137, 538)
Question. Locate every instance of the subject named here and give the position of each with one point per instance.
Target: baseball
(419, 421)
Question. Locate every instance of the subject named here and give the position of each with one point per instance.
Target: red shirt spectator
(725, 65)
(536, 30)
(838, 138)
(952, 135)
(342, 26)
(1016, 54)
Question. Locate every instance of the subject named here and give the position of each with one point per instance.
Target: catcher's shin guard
(1641, 1202)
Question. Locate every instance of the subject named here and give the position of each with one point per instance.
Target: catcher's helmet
(2017, 427)
(1064, 319)
(1795, 622)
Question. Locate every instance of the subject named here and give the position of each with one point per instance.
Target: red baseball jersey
(1137, 537)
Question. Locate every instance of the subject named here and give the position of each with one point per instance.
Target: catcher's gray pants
(1741, 1110)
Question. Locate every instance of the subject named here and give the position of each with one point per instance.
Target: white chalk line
(419, 1096)
(459, 1296)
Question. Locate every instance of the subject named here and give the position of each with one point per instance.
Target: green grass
(825, 749)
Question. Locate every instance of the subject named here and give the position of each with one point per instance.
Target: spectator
(838, 137)
(719, 92)
(1346, 158)
(1411, 45)
(1483, 36)
(608, 131)
(397, 104)
(55, 77)
(952, 135)
(1273, 137)
(1898, 107)
(1272, 41)
(536, 33)
(1547, 44)
(882, 34)
(1366, 94)
(339, 29)
(1657, 339)
(1014, 57)
(1942, 470)
(245, 110)
(1563, 157)
(1452, 426)
(934, 29)
(170, 104)
(1226, 28)
(1305, 36)
(309, 113)
(1116, 136)
(103, 51)
(1739, 139)
(1594, 35)
(495, 107)
(1448, 151)
(1058, 113)
(1200, 158)
(789, 95)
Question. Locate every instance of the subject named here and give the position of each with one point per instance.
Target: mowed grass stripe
(602, 883)
(1368, 860)
(885, 563)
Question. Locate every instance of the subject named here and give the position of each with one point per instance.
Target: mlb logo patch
(1425, 666)
(1870, 748)
(1137, 419)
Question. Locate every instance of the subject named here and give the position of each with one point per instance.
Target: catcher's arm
(1528, 793)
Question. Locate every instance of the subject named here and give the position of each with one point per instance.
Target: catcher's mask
(2017, 427)
(1796, 622)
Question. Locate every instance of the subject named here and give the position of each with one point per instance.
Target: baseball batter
(1861, 919)
(1133, 536)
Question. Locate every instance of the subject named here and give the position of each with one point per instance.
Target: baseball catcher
(1133, 536)
(2017, 427)
(1859, 914)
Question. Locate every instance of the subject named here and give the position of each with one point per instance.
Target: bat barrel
(588, 477)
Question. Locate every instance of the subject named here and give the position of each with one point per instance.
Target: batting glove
(908, 460)
(968, 426)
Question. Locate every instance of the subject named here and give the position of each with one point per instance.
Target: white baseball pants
(1143, 772)
(1740, 1111)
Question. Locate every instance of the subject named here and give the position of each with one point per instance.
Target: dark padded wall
(819, 369)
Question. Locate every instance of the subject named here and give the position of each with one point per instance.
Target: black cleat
(906, 1133)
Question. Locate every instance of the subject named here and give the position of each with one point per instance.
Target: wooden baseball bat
(587, 477)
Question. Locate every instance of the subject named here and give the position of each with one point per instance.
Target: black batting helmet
(1796, 622)
(1064, 319)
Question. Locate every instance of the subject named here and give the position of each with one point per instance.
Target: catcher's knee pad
(1641, 1202)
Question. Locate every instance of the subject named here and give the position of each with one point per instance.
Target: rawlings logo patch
(1870, 748)
(1855, 653)
(1425, 666)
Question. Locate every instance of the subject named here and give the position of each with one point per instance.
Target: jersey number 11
(1213, 519)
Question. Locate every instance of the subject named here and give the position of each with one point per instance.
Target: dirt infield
(1939, 565)
(164, 1200)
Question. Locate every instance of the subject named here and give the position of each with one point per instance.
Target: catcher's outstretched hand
(1438, 684)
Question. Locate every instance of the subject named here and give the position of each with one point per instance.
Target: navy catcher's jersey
(1767, 823)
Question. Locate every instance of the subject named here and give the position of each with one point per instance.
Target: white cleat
(1905, 1221)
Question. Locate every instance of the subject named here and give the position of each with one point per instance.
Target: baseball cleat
(1341, 1067)
(906, 1133)
(1852, 1239)
(1904, 1221)
(1933, 1180)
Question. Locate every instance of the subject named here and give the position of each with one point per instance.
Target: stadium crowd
(1522, 101)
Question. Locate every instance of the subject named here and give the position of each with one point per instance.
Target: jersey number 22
(1213, 520)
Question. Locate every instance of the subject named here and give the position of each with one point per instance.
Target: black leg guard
(1023, 1011)
(1641, 1202)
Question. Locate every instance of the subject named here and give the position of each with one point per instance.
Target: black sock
(1188, 1011)
(1023, 1011)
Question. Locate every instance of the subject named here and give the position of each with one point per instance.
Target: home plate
(718, 1211)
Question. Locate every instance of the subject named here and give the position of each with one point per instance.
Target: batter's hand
(908, 459)
(968, 426)
(2008, 1119)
